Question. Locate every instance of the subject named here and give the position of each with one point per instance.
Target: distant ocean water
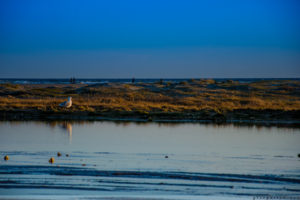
(145, 80)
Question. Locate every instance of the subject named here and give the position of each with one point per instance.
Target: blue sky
(149, 39)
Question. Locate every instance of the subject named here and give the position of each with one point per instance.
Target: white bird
(66, 104)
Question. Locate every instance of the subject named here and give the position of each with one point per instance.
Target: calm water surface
(176, 161)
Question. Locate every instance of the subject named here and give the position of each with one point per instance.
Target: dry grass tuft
(165, 97)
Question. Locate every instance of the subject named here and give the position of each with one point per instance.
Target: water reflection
(132, 156)
(204, 141)
(108, 136)
(67, 126)
(68, 123)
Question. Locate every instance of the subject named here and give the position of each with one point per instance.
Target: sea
(145, 80)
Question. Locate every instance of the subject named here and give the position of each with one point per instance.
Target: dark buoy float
(51, 160)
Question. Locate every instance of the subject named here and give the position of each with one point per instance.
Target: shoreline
(133, 117)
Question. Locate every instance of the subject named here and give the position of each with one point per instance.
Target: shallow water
(108, 159)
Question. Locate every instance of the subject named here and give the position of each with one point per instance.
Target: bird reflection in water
(67, 126)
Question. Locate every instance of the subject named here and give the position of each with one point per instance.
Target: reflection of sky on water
(211, 151)
(190, 146)
(130, 137)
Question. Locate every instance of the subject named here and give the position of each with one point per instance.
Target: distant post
(72, 80)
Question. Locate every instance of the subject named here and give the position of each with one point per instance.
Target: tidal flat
(203, 100)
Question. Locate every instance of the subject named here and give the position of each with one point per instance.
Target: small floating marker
(166, 156)
(58, 154)
(299, 155)
(51, 160)
(83, 164)
(6, 157)
(67, 155)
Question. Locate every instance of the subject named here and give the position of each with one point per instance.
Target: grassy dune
(189, 100)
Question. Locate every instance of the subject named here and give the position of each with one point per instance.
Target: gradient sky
(150, 39)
